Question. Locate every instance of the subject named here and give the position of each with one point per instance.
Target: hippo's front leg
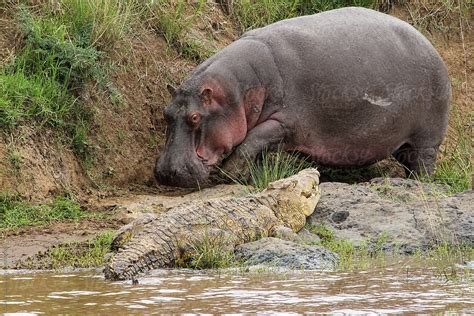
(268, 134)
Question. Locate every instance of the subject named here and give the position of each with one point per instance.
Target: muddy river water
(183, 291)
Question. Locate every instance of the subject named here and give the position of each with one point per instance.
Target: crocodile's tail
(151, 248)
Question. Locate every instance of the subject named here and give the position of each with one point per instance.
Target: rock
(286, 233)
(307, 237)
(275, 252)
(412, 215)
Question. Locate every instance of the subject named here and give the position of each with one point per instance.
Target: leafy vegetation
(16, 212)
(74, 254)
(63, 49)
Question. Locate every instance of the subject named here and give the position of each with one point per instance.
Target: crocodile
(161, 241)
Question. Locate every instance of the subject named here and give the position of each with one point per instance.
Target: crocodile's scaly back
(162, 241)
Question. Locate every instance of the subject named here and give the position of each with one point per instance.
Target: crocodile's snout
(301, 190)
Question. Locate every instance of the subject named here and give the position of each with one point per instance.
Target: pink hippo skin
(347, 87)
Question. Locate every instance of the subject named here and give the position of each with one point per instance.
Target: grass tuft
(102, 23)
(174, 21)
(455, 168)
(74, 254)
(16, 212)
(271, 166)
(212, 251)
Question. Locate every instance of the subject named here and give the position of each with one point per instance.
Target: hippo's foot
(417, 160)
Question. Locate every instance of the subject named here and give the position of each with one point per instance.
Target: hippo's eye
(194, 118)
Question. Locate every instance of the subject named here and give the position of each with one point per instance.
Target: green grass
(455, 169)
(253, 14)
(29, 96)
(209, 252)
(16, 212)
(368, 254)
(174, 20)
(443, 258)
(39, 87)
(271, 166)
(74, 254)
(103, 23)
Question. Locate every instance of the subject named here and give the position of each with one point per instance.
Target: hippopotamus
(346, 87)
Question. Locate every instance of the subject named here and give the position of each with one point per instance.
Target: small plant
(16, 212)
(15, 158)
(210, 252)
(271, 166)
(322, 231)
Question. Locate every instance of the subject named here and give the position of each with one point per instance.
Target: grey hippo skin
(347, 87)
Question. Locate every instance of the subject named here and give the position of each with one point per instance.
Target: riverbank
(365, 225)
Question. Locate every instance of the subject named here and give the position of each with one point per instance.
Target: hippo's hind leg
(417, 160)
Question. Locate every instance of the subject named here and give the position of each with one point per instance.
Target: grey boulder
(410, 214)
(275, 252)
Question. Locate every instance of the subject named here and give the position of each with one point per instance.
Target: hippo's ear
(206, 96)
(171, 89)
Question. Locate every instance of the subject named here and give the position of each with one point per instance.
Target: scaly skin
(162, 241)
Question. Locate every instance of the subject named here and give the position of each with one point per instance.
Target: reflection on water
(175, 291)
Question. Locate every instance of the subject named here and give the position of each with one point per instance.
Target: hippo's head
(204, 122)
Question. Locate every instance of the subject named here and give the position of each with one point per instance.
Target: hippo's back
(357, 41)
(352, 29)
